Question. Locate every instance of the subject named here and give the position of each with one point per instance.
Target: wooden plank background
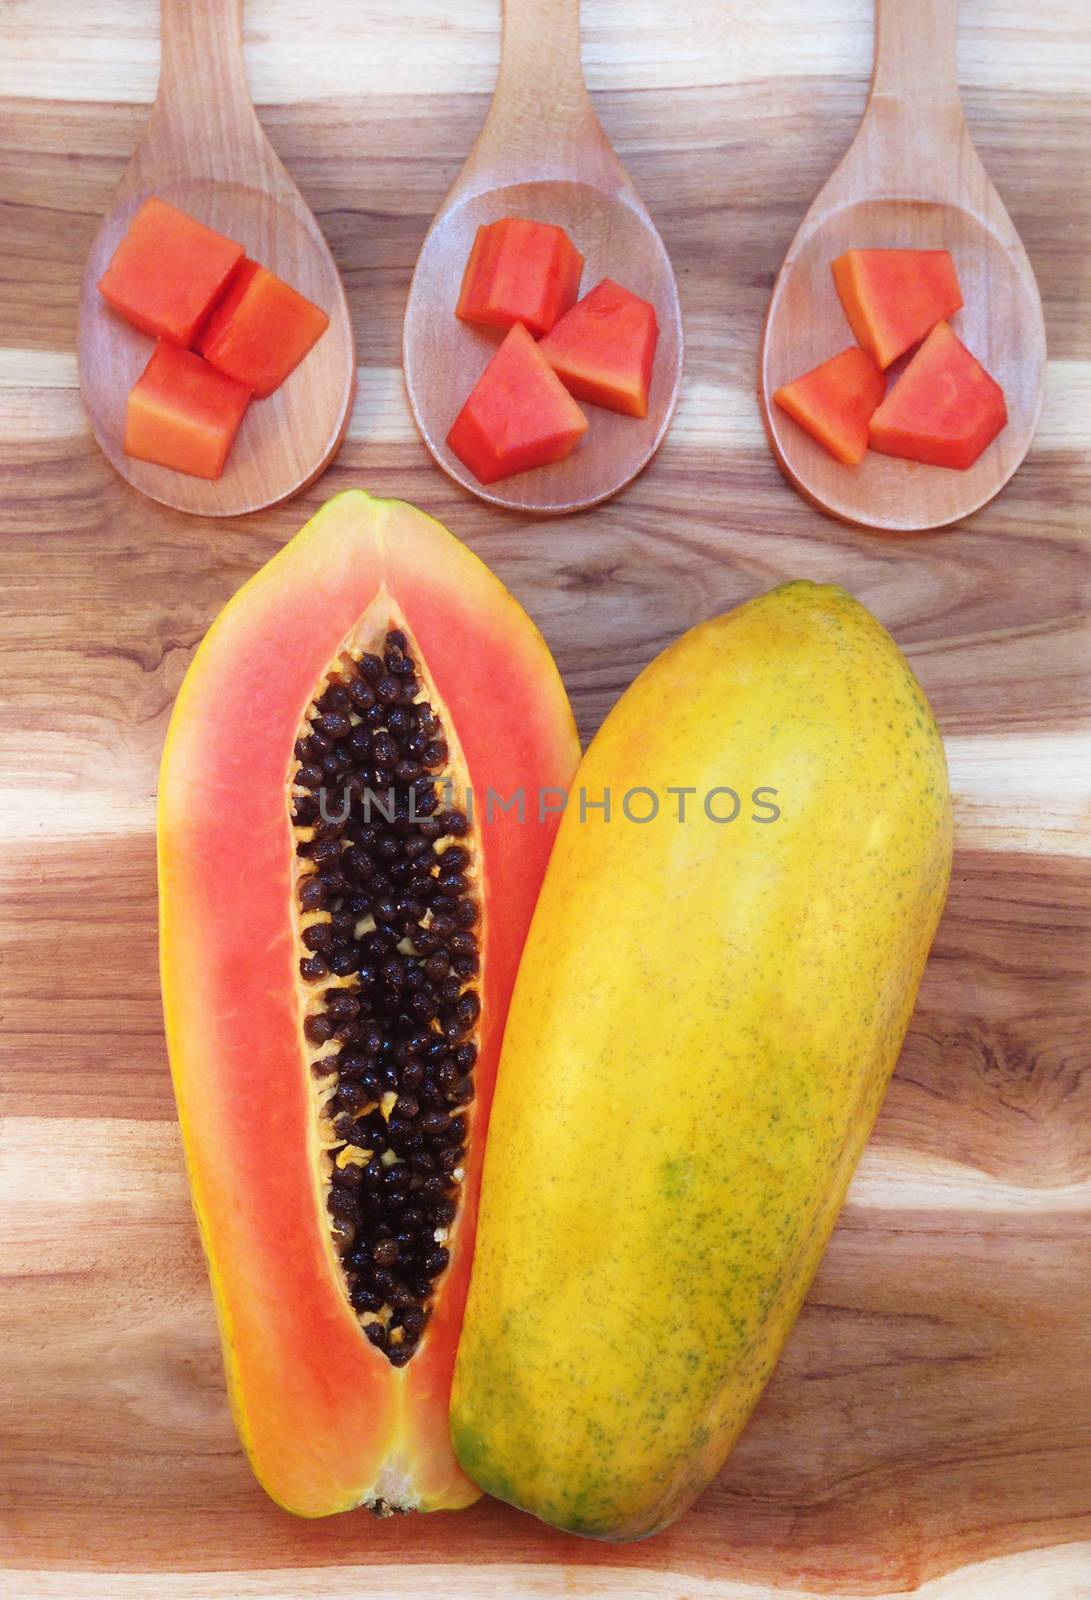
(930, 1425)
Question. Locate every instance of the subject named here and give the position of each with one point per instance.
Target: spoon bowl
(910, 180)
(204, 151)
(541, 155)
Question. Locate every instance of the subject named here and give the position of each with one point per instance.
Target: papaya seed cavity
(386, 916)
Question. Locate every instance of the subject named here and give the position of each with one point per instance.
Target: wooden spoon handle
(915, 51)
(541, 123)
(913, 138)
(202, 85)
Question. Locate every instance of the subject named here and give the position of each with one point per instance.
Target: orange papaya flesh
(944, 410)
(893, 298)
(517, 416)
(260, 329)
(519, 271)
(331, 1420)
(183, 414)
(168, 271)
(603, 349)
(835, 402)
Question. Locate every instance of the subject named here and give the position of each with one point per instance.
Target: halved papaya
(346, 880)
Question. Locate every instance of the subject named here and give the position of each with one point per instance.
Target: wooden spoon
(204, 151)
(912, 179)
(543, 155)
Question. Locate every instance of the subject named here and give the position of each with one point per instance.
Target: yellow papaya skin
(704, 1024)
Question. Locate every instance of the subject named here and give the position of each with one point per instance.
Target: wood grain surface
(929, 1428)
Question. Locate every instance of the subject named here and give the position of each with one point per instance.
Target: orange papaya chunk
(835, 402)
(894, 298)
(602, 350)
(520, 271)
(260, 329)
(518, 415)
(358, 795)
(182, 413)
(943, 410)
(168, 271)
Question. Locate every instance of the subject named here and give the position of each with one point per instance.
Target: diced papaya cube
(894, 298)
(519, 414)
(260, 329)
(944, 409)
(182, 413)
(520, 271)
(602, 350)
(835, 402)
(167, 272)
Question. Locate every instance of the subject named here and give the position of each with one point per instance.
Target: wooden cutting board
(929, 1427)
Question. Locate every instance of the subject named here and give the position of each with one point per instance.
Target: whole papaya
(707, 1013)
